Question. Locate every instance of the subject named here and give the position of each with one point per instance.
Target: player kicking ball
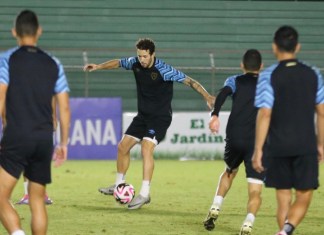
(154, 81)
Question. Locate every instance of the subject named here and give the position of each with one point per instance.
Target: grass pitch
(181, 193)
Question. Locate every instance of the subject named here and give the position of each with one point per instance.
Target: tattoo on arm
(195, 85)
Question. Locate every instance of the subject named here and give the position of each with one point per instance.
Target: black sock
(288, 228)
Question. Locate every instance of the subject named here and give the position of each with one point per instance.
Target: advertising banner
(96, 128)
(188, 137)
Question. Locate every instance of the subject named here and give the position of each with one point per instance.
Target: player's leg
(38, 173)
(147, 149)
(302, 165)
(233, 158)
(289, 215)
(8, 215)
(37, 206)
(132, 136)
(253, 205)
(24, 200)
(299, 208)
(223, 186)
(123, 161)
(255, 184)
(279, 175)
(284, 197)
(123, 155)
(154, 132)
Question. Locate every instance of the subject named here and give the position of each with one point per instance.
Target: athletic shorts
(31, 157)
(298, 172)
(238, 152)
(153, 128)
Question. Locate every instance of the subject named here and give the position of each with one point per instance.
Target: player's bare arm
(110, 64)
(201, 90)
(54, 113)
(3, 92)
(65, 117)
(320, 131)
(262, 128)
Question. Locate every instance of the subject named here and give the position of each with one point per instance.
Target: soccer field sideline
(181, 195)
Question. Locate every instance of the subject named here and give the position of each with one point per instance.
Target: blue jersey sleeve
(4, 65)
(320, 87)
(231, 83)
(264, 97)
(127, 63)
(61, 83)
(4, 71)
(168, 72)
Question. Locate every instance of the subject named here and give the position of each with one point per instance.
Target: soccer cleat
(138, 202)
(246, 228)
(24, 200)
(48, 201)
(209, 222)
(108, 191)
(281, 233)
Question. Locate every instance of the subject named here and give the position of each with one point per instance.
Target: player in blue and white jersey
(29, 78)
(288, 95)
(154, 80)
(240, 133)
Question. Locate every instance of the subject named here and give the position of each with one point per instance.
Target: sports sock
(18, 232)
(218, 200)
(250, 217)
(289, 228)
(26, 187)
(145, 190)
(120, 178)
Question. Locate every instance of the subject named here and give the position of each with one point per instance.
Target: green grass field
(181, 196)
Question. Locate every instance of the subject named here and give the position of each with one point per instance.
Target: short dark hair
(286, 38)
(146, 44)
(252, 60)
(26, 23)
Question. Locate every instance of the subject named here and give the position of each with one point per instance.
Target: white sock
(218, 200)
(26, 187)
(250, 217)
(145, 190)
(18, 232)
(120, 178)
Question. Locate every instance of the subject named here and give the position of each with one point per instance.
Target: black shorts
(31, 157)
(153, 128)
(298, 172)
(238, 152)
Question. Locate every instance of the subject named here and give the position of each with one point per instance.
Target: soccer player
(154, 80)
(238, 148)
(288, 95)
(29, 78)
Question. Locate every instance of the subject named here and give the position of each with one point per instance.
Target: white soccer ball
(124, 193)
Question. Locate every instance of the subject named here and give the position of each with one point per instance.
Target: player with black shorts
(154, 81)
(29, 77)
(240, 132)
(288, 95)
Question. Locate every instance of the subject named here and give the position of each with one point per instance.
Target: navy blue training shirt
(291, 89)
(33, 77)
(154, 86)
